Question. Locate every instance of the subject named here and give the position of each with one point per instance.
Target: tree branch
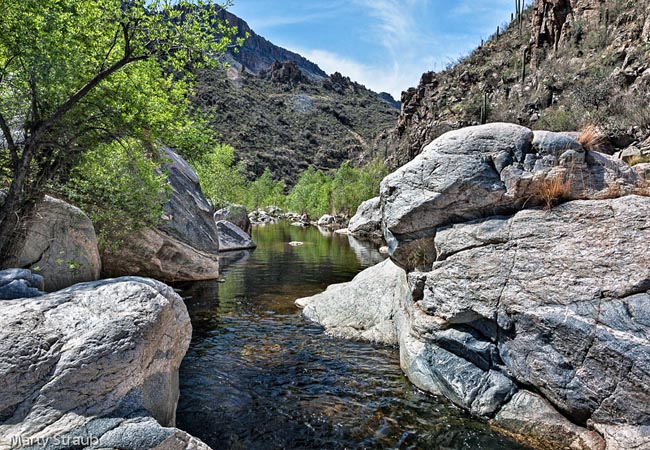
(81, 93)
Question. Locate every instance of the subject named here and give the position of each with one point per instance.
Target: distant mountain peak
(259, 55)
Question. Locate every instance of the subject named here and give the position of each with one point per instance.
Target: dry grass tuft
(593, 138)
(639, 159)
(552, 191)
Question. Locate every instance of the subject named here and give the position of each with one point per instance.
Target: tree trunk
(18, 206)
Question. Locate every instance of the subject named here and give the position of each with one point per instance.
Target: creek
(259, 376)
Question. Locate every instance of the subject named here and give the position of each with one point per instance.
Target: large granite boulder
(538, 319)
(366, 223)
(95, 365)
(185, 244)
(156, 254)
(231, 237)
(60, 244)
(489, 169)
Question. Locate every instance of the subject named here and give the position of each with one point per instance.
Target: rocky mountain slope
(281, 111)
(258, 54)
(566, 64)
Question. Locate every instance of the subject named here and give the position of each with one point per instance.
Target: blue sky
(383, 44)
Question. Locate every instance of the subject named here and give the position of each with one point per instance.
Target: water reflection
(257, 376)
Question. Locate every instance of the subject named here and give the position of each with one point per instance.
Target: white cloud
(379, 79)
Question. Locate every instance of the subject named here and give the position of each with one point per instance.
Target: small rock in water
(295, 243)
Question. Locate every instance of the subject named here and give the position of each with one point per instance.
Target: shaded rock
(529, 418)
(643, 170)
(60, 245)
(18, 289)
(236, 214)
(99, 360)
(486, 170)
(231, 237)
(367, 220)
(188, 215)
(156, 254)
(361, 309)
(184, 246)
(554, 144)
(32, 280)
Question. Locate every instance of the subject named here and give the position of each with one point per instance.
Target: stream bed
(259, 376)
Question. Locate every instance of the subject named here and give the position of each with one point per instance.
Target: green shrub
(120, 187)
(265, 191)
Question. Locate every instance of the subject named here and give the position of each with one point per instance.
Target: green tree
(311, 194)
(265, 191)
(76, 74)
(222, 181)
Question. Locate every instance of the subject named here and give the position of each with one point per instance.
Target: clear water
(258, 376)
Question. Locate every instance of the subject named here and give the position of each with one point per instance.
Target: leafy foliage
(316, 192)
(77, 75)
(222, 181)
(120, 188)
(265, 191)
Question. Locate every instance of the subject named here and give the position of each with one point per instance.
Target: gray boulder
(231, 237)
(60, 245)
(153, 253)
(236, 214)
(184, 247)
(367, 220)
(97, 363)
(361, 309)
(554, 301)
(20, 283)
(532, 420)
(485, 170)
(188, 215)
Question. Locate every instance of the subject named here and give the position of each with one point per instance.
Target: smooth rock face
(188, 215)
(367, 220)
(184, 246)
(236, 214)
(98, 360)
(361, 309)
(60, 245)
(231, 237)
(485, 170)
(155, 254)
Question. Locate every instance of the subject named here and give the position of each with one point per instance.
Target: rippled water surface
(258, 376)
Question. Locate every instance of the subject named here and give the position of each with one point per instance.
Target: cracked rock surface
(538, 319)
(95, 364)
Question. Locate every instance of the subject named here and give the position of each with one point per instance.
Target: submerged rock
(96, 363)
